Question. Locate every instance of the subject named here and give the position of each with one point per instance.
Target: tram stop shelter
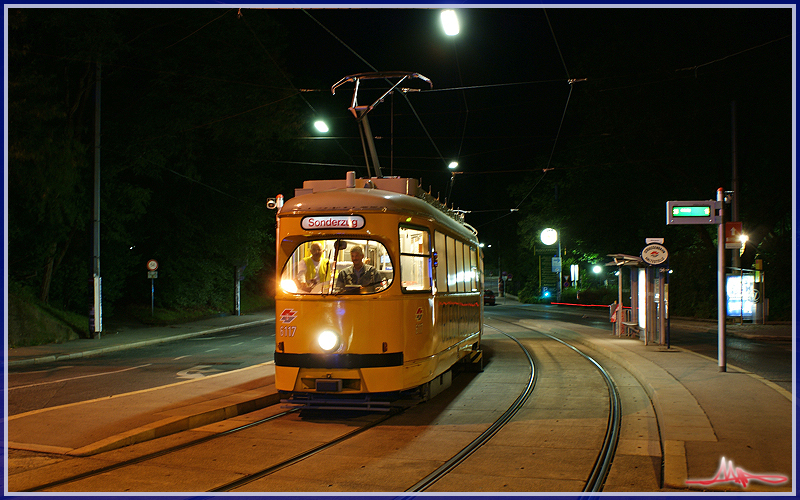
(647, 317)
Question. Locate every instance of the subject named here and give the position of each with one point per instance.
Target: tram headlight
(289, 286)
(328, 341)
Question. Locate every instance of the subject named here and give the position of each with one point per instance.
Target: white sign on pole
(654, 254)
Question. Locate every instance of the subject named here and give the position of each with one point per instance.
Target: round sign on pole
(152, 265)
(654, 254)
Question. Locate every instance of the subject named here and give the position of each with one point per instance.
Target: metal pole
(96, 280)
(621, 308)
(662, 316)
(721, 284)
(735, 257)
(560, 278)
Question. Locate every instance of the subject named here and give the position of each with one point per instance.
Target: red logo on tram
(288, 315)
(419, 314)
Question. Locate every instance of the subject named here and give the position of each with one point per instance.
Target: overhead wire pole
(97, 300)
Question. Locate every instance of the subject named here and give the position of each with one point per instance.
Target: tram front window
(338, 266)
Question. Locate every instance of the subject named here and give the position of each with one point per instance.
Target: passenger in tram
(313, 269)
(359, 277)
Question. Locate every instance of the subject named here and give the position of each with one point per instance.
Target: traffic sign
(694, 212)
(733, 232)
(152, 265)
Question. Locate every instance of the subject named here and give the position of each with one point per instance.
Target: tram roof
(396, 195)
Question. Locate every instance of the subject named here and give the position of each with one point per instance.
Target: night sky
(501, 93)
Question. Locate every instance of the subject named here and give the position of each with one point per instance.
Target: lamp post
(548, 237)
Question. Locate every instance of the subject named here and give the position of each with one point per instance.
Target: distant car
(488, 298)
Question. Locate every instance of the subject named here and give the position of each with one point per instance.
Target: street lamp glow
(453, 165)
(549, 236)
(597, 269)
(321, 126)
(450, 22)
(743, 238)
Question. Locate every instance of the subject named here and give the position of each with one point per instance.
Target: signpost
(707, 212)
(152, 274)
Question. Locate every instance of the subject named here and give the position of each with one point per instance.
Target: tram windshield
(338, 266)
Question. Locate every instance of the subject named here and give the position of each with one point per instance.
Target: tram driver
(360, 276)
(313, 269)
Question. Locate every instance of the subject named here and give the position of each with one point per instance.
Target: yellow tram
(379, 292)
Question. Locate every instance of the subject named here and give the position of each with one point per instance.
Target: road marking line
(141, 391)
(76, 378)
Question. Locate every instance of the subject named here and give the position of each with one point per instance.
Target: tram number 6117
(288, 331)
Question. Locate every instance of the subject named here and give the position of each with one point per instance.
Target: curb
(174, 425)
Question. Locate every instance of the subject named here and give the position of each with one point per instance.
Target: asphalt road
(32, 387)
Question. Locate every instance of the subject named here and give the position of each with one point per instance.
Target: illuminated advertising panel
(741, 296)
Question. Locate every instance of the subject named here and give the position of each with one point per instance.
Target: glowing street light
(321, 126)
(450, 22)
(453, 165)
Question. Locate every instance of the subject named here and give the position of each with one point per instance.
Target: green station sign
(703, 211)
(693, 212)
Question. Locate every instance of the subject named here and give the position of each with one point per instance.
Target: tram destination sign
(694, 212)
(332, 222)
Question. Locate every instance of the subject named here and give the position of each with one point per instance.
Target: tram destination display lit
(693, 212)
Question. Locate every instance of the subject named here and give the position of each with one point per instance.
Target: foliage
(194, 104)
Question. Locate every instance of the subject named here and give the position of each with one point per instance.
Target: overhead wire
(563, 115)
(286, 77)
(413, 110)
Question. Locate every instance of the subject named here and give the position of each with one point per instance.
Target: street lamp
(548, 237)
(321, 126)
(449, 191)
(450, 22)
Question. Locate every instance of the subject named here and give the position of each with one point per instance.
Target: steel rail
(498, 424)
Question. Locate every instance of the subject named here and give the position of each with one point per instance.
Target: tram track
(593, 483)
(602, 465)
(488, 433)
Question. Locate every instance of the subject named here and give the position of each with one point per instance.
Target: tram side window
(325, 266)
(460, 275)
(473, 259)
(415, 259)
(452, 276)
